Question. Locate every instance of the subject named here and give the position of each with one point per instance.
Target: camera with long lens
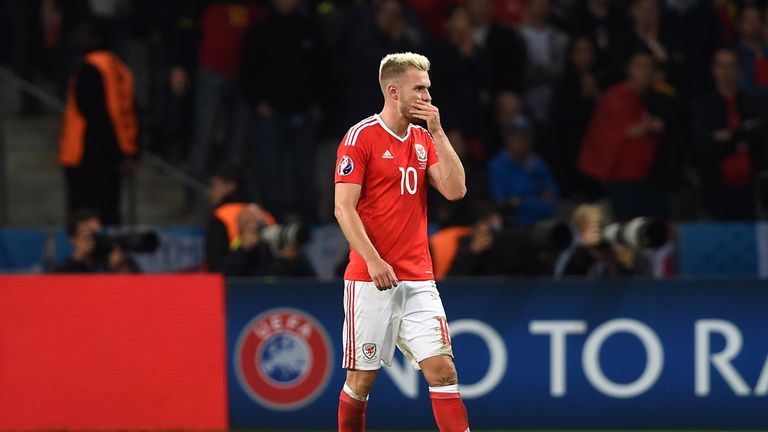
(278, 237)
(136, 241)
(638, 233)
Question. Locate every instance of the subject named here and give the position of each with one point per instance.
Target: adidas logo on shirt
(387, 155)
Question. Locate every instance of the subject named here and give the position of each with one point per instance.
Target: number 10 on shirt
(408, 180)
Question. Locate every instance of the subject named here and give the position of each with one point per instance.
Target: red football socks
(450, 413)
(351, 413)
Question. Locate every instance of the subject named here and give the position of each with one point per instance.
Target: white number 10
(406, 178)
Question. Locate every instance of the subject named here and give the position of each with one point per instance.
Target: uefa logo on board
(283, 359)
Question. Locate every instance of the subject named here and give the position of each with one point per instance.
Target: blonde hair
(395, 65)
(586, 213)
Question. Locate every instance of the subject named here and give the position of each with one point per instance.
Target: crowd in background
(653, 107)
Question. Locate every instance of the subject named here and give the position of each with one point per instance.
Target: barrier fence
(530, 354)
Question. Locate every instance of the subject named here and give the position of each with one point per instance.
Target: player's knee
(441, 373)
(361, 382)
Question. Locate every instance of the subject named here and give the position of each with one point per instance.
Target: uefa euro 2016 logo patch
(346, 166)
(283, 359)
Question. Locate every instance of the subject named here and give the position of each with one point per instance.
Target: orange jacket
(445, 245)
(228, 213)
(118, 90)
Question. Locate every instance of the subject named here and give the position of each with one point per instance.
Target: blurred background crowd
(578, 111)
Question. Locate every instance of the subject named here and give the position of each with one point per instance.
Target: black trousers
(96, 189)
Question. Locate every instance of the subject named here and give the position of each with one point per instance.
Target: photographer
(492, 249)
(226, 191)
(595, 257)
(479, 253)
(89, 256)
(251, 255)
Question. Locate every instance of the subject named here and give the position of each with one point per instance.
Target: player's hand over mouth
(382, 274)
(429, 113)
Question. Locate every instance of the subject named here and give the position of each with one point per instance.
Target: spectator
(726, 11)
(362, 37)
(752, 49)
(89, 256)
(166, 114)
(462, 80)
(208, 39)
(620, 145)
(251, 256)
(729, 129)
(595, 20)
(509, 12)
(593, 256)
(692, 32)
(507, 107)
(277, 55)
(99, 129)
(576, 94)
(62, 23)
(426, 12)
(521, 183)
(643, 34)
(546, 47)
(503, 46)
(227, 193)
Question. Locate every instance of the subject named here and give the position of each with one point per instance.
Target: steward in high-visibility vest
(98, 134)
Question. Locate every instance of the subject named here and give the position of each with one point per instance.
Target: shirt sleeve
(351, 160)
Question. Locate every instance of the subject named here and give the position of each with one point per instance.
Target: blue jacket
(510, 179)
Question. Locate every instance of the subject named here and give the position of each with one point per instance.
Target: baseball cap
(520, 123)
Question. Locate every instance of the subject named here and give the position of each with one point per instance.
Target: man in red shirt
(390, 296)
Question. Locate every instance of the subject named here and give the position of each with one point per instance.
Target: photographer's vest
(118, 92)
(444, 245)
(228, 213)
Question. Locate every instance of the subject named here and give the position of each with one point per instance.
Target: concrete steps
(36, 193)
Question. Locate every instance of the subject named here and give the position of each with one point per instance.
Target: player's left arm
(447, 175)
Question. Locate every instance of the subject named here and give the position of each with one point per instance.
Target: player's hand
(429, 113)
(382, 274)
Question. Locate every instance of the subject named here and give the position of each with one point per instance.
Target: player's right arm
(346, 197)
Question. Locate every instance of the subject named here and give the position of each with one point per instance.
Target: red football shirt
(392, 172)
